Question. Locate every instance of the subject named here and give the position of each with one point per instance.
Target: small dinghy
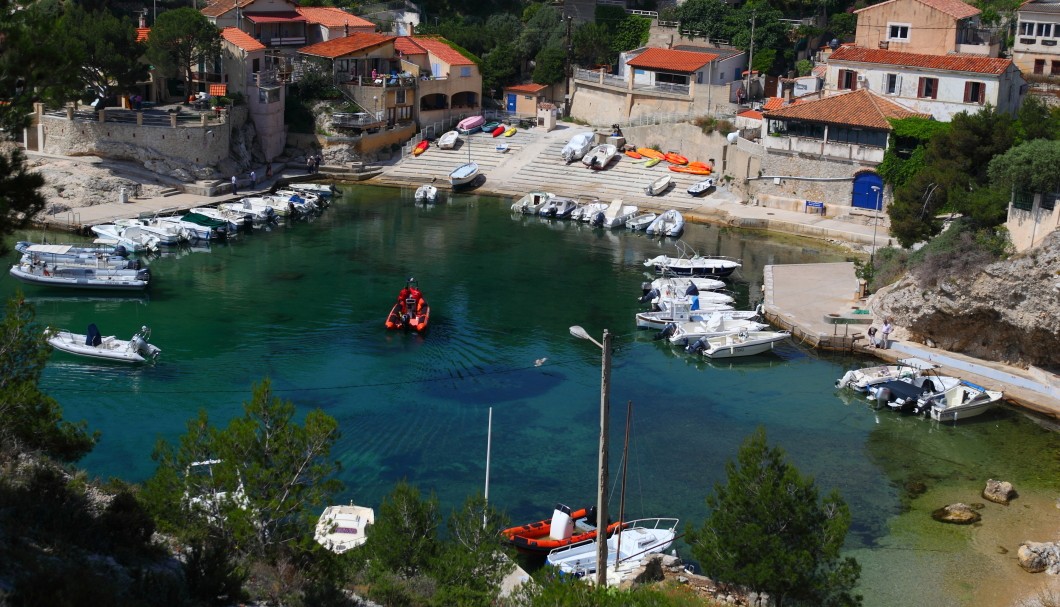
(669, 223)
(565, 528)
(411, 311)
(426, 193)
(448, 140)
(501, 147)
(641, 221)
(94, 345)
(659, 186)
(701, 187)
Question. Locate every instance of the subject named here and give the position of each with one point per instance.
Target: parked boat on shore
(600, 157)
(625, 548)
(470, 125)
(578, 146)
(341, 528)
(448, 140)
(659, 186)
(701, 187)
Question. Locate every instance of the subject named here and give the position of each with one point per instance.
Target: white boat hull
(463, 174)
(426, 193)
(638, 539)
(81, 278)
(744, 344)
(448, 140)
(136, 350)
(961, 402)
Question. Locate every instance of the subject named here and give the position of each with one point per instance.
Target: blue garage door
(864, 196)
(511, 102)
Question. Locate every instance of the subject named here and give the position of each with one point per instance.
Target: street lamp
(601, 489)
(875, 220)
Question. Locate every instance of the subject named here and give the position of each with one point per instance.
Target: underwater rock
(1036, 557)
(956, 514)
(999, 492)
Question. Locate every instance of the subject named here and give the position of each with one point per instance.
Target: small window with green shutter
(1023, 200)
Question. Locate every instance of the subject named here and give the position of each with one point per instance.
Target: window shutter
(920, 87)
(842, 80)
(853, 80)
(982, 93)
(935, 89)
(967, 92)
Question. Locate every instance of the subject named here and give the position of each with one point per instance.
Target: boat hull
(464, 174)
(533, 538)
(88, 279)
(735, 346)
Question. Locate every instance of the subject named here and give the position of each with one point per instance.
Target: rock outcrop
(1036, 557)
(956, 514)
(1007, 311)
(999, 492)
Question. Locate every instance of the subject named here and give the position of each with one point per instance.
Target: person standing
(309, 164)
(885, 341)
(253, 178)
(235, 189)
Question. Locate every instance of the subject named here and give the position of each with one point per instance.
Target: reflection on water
(305, 304)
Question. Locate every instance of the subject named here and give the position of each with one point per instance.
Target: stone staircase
(170, 192)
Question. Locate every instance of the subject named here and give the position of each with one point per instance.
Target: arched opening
(465, 99)
(434, 101)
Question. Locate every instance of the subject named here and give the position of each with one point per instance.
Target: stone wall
(186, 153)
(597, 106)
(803, 178)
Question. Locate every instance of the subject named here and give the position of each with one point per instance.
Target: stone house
(940, 85)
(523, 99)
(1035, 50)
(929, 27)
(325, 23)
(248, 71)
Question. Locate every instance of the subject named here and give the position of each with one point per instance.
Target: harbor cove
(304, 305)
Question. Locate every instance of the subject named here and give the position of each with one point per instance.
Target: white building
(940, 85)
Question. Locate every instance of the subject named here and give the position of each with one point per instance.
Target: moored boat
(566, 527)
(40, 273)
(587, 211)
(716, 325)
(961, 401)
(615, 215)
(682, 311)
(861, 379)
(744, 343)
(94, 345)
(641, 221)
(426, 193)
(668, 223)
(692, 265)
(75, 255)
(320, 189)
(558, 207)
(341, 528)
(532, 203)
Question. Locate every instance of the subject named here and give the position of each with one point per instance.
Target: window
(792, 128)
(1027, 28)
(974, 92)
(928, 88)
(838, 134)
(848, 80)
(1049, 200)
(399, 97)
(899, 32)
(465, 72)
(1023, 200)
(1054, 68)
(1039, 66)
(893, 84)
(256, 66)
(1045, 30)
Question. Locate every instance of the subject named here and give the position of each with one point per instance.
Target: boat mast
(622, 493)
(489, 440)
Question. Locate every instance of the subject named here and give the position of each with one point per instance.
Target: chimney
(347, 29)
(143, 19)
(412, 29)
(670, 44)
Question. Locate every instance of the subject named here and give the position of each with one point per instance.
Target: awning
(277, 17)
(218, 90)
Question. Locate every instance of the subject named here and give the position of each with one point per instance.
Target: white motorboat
(73, 255)
(532, 203)
(701, 187)
(448, 140)
(659, 186)
(463, 174)
(907, 393)
(641, 221)
(166, 233)
(589, 210)
(697, 300)
(744, 343)
(320, 189)
(40, 273)
(626, 547)
(577, 147)
(676, 286)
(134, 238)
(693, 266)
(669, 223)
(256, 208)
(682, 312)
(615, 215)
(235, 220)
(341, 528)
(426, 193)
(558, 207)
(686, 333)
(195, 231)
(307, 202)
(94, 345)
(599, 157)
(961, 401)
(861, 379)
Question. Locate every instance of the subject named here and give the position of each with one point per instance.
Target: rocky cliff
(1007, 311)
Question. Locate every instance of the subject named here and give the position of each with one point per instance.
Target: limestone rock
(999, 492)
(1036, 557)
(1006, 311)
(956, 514)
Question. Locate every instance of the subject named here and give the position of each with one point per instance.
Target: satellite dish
(732, 137)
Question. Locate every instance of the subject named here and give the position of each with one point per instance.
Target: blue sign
(816, 205)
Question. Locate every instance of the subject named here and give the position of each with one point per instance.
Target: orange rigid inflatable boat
(411, 311)
(571, 528)
(650, 153)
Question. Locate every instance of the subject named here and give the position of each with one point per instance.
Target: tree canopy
(180, 39)
(1030, 167)
(108, 54)
(769, 530)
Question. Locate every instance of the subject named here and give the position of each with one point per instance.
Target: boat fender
(650, 295)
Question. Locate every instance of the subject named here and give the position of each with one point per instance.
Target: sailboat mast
(622, 494)
(489, 441)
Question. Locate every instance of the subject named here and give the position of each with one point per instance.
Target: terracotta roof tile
(220, 7)
(773, 103)
(671, 60)
(356, 41)
(857, 108)
(750, 114)
(329, 16)
(439, 47)
(955, 63)
(954, 8)
(529, 89)
(408, 46)
(241, 39)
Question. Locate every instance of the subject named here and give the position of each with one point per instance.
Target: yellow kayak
(652, 162)
(510, 132)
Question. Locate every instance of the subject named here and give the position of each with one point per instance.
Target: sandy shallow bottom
(979, 560)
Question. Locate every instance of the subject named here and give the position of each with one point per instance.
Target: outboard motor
(121, 251)
(649, 295)
(697, 346)
(883, 396)
(845, 381)
(692, 289)
(666, 332)
(598, 219)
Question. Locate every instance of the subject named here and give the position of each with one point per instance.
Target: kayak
(652, 162)
(700, 165)
(633, 154)
(650, 153)
(420, 147)
(510, 132)
(497, 131)
(690, 170)
(674, 158)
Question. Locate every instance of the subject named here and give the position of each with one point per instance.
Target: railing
(640, 13)
(355, 120)
(151, 118)
(284, 41)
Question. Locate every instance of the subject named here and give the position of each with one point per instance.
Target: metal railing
(356, 120)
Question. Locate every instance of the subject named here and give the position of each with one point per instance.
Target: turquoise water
(305, 305)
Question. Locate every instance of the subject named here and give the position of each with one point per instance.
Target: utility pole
(567, 70)
(750, 59)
